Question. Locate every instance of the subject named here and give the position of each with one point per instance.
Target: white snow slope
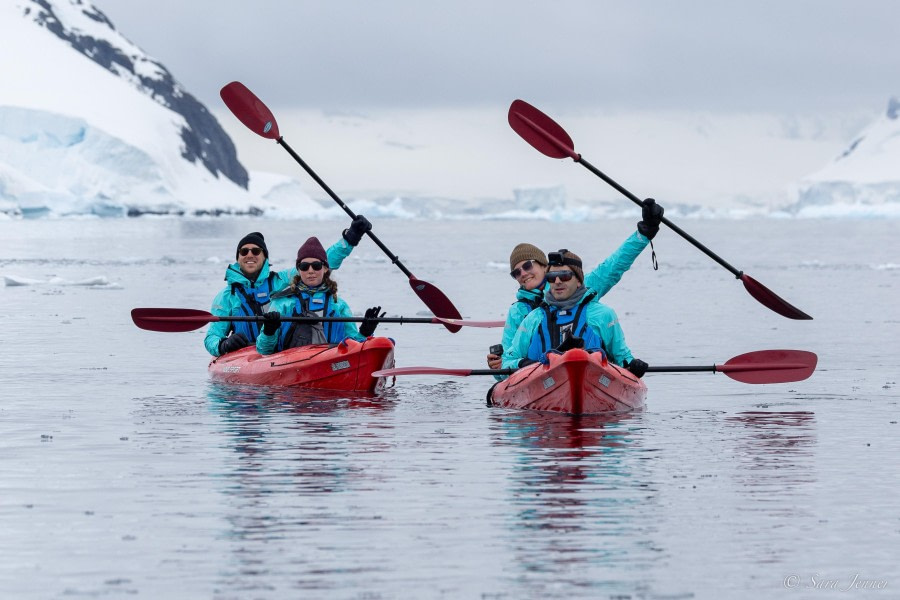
(78, 138)
(120, 137)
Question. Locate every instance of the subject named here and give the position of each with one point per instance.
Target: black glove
(271, 323)
(524, 362)
(367, 328)
(651, 217)
(357, 230)
(570, 342)
(233, 342)
(637, 367)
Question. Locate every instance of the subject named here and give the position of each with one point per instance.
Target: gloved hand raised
(271, 323)
(233, 342)
(367, 328)
(357, 230)
(651, 217)
(637, 367)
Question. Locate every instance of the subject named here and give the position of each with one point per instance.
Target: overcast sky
(717, 55)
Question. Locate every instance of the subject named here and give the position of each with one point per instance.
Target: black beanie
(252, 238)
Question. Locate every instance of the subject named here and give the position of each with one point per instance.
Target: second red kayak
(347, 366)
(575, 382)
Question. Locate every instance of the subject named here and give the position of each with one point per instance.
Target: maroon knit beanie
(312, 248)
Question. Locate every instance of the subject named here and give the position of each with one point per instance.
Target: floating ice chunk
(99, 281)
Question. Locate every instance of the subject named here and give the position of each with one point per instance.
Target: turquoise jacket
(267, 344)
(600, 318)
(600, 280)
(228, 304)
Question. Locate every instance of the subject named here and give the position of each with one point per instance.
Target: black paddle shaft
(308, 169)
(401, 320)
(669, 223)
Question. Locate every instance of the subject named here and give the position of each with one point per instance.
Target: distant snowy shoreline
(139, 145)
(418, 209)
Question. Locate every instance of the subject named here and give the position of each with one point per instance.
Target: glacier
(864, 181)
(92, 126)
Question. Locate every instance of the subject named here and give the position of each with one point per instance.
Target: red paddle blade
(249, 110)
(171, 320)
(768, 298)
(770, 366)
(421, 371)
(541, 131)
(436, 301)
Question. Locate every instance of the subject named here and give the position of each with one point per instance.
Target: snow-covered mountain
(864, 180)
(90, 124)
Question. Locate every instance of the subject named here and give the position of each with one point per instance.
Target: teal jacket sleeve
(605, 322)
(219, 330)
(517, 313)
(610, 271)
(350, 329)
(518, 347)
(337, 252)
(266, 344)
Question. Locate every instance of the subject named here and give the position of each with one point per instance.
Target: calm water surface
(125, 472)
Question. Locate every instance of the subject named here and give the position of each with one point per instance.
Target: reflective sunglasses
(316, 265)
(246, 251)
(561, 275)
(526, 266)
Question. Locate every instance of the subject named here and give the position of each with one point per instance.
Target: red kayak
(347, 366)
(575, 382)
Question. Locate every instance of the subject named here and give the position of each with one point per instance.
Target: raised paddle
(549, 138)
(763, 366)
(252, 112)
(172, 320)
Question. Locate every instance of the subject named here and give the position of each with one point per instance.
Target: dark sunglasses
(246, 251)
(316, 265)
(561, 275)
(526, 266)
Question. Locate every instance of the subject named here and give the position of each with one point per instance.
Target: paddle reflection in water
(774, 468)
(583, 496)
(297, 453)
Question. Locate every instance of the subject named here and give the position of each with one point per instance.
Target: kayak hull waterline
(347, 366)
(575, 382)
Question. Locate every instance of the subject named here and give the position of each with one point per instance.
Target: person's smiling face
(251, 259)
(530, 274)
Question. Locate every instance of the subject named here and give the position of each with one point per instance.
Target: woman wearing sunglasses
(528, 266)
(569, 318)
(250, 282)
(312, 293)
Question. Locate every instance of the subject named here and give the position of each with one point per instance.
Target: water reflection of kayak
(575, 382)
(347, 366)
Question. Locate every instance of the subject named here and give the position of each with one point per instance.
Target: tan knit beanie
(526, 252)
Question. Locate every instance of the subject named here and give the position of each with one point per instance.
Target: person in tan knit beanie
(528, 266)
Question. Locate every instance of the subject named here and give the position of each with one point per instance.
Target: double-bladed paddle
(547, 137)
(171, 320)
(762, 366)
(252, 112)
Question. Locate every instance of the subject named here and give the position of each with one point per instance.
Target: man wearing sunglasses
(312, 293)
(528, 266)
(250, 282)
(569, 317)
